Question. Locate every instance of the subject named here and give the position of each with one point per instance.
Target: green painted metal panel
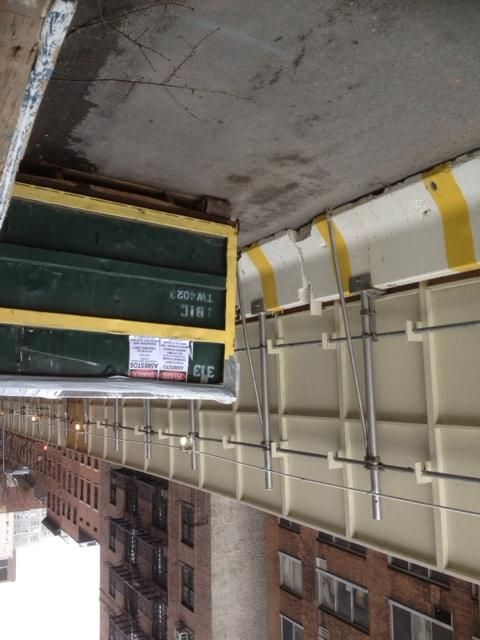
(32, 351)
(46, 226)
(64, 260)
(61, 282)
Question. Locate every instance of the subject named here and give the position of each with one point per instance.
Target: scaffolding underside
(428, 429)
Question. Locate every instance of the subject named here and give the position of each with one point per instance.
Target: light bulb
(78, 426)
(183, 441)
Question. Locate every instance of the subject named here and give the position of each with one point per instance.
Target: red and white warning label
(158, 358)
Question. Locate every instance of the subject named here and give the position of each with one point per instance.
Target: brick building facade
(320, 586)
(68, 482)
(170, 556)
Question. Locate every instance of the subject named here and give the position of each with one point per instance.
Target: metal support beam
(65, 420)
(86, 421)
(346, 325)
(192, 413)
(267, 436)
(3, 437)
(367, 302)
(147, 408)
(116, 423)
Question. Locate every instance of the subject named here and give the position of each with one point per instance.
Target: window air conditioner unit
(323, 633)
(182, 634)
(321, 564)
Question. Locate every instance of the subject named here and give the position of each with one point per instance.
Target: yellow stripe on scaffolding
(453, 207)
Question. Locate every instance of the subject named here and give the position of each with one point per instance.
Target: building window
(68, 512)
(290, 573)
(131, 498)
(111, 585)
(131, 601)
(69, 487)
(95, 497)
(81, 490)
(291, 630)
(48, 500)
(95, 464)
(89, 493)
(74, 515)
(187, 524)
(82, 459)
(113, 492)
(159, 568)
(160, 509)
(111, 538)
(345, 599)
(289, 524)
(342, 543)
(408, 624)
(64, 480)
(75, 486)
(475, 591)
(419, 571)
(187, 587)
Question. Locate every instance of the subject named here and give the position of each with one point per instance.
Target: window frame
(282, 555)
(352, 587)
(160, 509)
(112, 537)
(294, 624)
(113, 492)
(112, 590)
(187, 587)
(187, 524)
(410, 572)
(413, 612)
(345, 545)
(289, 525)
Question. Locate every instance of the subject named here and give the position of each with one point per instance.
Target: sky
(57, 588)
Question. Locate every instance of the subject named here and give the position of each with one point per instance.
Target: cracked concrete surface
(284, 108)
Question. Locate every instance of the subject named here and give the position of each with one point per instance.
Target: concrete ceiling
(283, 107)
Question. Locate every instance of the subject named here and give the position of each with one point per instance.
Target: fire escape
(142, 577)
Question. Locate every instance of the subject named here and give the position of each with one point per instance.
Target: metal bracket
(333, 464)
(226, 444)
(283, 444)
(373, 463)
(420, 478)
(316, 306)
(361, 282)
(412, 335)
(327, 344)
(272, 346)
(257, 306)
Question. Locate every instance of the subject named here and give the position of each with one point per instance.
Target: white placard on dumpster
(158, 358)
